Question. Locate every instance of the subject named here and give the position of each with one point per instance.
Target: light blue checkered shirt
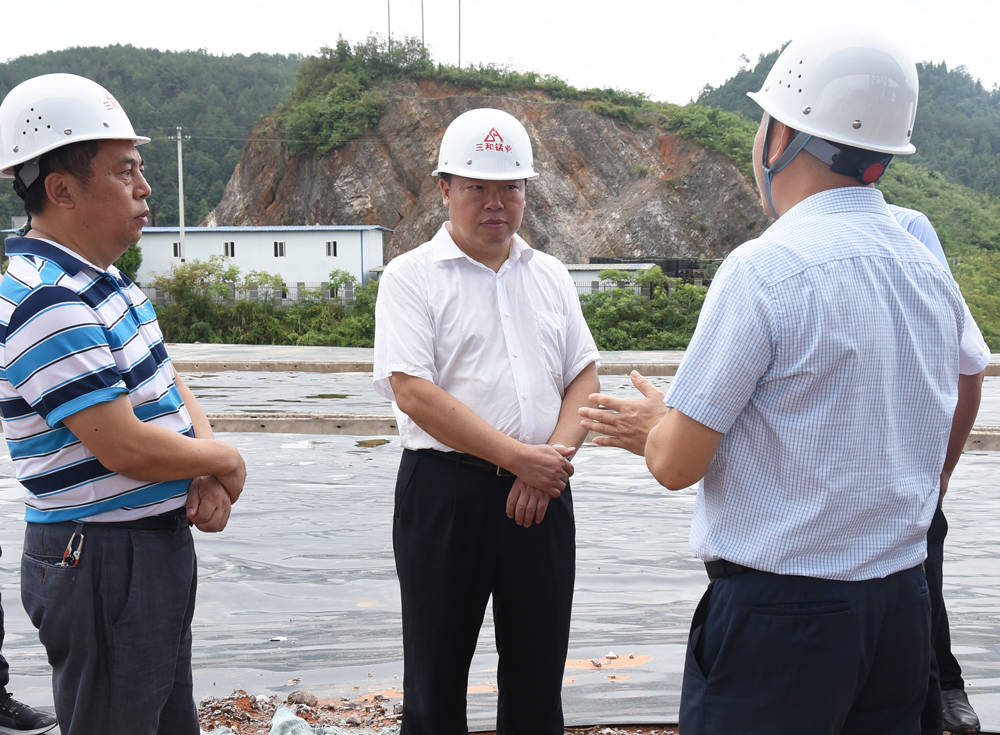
(827, 353)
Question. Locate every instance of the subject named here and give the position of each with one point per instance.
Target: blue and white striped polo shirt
(71, 336)
(827, 354)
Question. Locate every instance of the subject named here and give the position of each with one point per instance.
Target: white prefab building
(587, 277)
(299, 254)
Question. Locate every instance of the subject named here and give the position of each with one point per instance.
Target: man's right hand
(208, 504)
(624, 422)
(544, 466)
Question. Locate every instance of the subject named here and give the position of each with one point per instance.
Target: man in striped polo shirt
(116, 457)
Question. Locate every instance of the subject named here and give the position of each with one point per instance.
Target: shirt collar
(839, 201)
(70, 262)
(445, 248)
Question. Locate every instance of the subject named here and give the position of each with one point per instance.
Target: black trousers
(4, 668)
(770, 654)
(945, 670)
(454, 547)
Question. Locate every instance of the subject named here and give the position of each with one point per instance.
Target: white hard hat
(486, 144)
(845, 87)
(53, 110)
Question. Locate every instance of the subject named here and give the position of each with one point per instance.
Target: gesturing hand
(628, 422)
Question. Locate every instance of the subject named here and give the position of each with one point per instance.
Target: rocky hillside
(606, 188)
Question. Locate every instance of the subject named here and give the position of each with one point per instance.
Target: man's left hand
(208, 504)
(623, 422)
(526, 504)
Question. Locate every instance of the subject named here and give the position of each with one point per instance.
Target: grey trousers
(116, 627)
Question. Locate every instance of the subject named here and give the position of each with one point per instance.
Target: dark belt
(469, 461)
(168, 521)
(723, 568)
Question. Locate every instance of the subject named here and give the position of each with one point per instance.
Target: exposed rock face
(605, 188)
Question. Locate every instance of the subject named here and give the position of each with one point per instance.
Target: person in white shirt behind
(947, 706)
(481, 344)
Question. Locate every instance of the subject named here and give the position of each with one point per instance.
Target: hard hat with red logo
(53, 110)
(486, 144)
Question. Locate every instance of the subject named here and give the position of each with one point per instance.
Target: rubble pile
(245, 714)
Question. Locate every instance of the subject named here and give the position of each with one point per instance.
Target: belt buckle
(501, 472)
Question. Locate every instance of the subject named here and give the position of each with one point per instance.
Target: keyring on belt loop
(73, 554)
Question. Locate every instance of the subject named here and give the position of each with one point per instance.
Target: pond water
(307, 392)
(300, 590)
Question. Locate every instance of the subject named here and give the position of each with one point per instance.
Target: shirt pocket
(551, 336)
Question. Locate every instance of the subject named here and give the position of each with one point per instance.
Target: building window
(331, 248)
(279, 249)
(229, 249)
(177, 250)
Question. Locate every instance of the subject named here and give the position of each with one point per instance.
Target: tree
(130, 261)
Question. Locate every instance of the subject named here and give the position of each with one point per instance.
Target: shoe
(957, 714)
(17, 718)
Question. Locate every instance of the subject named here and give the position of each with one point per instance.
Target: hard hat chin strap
(25, 175)
(794, 148)
(864, 165)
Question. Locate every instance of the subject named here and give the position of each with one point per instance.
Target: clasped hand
(208, 504)
(539, 481)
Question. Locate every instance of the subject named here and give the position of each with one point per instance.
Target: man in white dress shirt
(481, 344)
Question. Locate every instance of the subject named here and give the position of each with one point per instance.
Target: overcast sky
(664, 49)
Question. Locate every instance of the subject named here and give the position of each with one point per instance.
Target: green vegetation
(207, 303)
(957, 131)
(130, 261)
(325, 101)
(335, 98)
(661, 316)
(203, 307)
(216, 99)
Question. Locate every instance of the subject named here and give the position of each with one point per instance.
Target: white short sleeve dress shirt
(505, 343)
(973, 354)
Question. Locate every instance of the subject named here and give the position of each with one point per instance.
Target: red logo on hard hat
(493, 142)
(110, 103)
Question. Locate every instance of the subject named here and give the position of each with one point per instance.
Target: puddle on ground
(370, 442)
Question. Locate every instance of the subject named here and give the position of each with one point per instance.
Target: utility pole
(459, 34)
(180, 188)
(388, 21)
(422, 41)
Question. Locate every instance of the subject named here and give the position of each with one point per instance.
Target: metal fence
(288, 293)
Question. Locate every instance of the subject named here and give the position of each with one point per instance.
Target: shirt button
(515, 354)
(506, 313)
(524, 395)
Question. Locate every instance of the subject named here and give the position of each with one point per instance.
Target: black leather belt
(723, 568)
(469, 460)
(168, 521)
